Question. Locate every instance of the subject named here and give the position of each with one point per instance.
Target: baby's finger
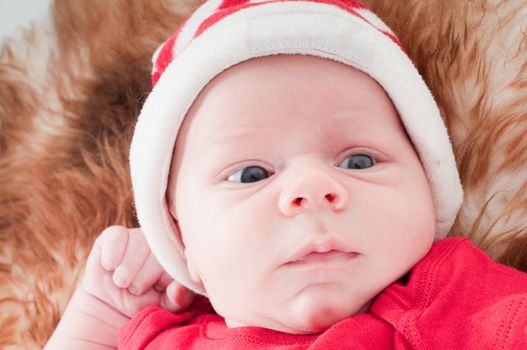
(163, 282)
(176, 297)
(136, 253)
(113, 245)
(145, 278)
(133, 304)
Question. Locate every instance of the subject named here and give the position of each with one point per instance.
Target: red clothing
(454, 298)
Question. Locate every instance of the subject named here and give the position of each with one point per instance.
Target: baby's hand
(122, 277)
(122, 271)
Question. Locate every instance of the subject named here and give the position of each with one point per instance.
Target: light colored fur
(72, 87)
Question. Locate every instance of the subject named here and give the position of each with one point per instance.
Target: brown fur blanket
(71, 89)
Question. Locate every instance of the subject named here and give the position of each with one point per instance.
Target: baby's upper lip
(320, 245)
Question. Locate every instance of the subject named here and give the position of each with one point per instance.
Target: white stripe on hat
(191, 26)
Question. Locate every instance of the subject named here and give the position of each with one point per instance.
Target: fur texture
(72, 88)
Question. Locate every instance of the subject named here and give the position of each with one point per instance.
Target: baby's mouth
(322, 252)
(330, 258)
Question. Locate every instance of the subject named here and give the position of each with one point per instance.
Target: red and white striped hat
(222, 33)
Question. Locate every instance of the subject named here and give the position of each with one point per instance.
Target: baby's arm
(121, 278)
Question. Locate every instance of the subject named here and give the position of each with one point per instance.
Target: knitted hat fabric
(222, 33)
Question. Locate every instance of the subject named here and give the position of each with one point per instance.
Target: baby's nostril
(297, 201)
(330, 197)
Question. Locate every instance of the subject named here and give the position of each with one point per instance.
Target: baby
(291, 167)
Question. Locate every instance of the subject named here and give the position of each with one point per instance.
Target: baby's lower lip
(331, 258)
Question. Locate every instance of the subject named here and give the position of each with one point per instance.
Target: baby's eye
(357, 161)
(249, 174)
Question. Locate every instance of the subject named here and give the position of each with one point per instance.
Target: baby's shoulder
(467, 297)
(457, 260)
(456, 277)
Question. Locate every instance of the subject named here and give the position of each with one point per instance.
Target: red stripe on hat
(165, 57)
(354, 4)
(231, 3)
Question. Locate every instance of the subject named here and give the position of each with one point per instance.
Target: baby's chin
(304, 319)
(318, 308)
(317, 320)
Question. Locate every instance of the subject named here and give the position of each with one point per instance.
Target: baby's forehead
(244, 96)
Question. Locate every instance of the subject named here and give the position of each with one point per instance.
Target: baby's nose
(313, 190)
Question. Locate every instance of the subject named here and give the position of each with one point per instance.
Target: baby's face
(298, 194)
